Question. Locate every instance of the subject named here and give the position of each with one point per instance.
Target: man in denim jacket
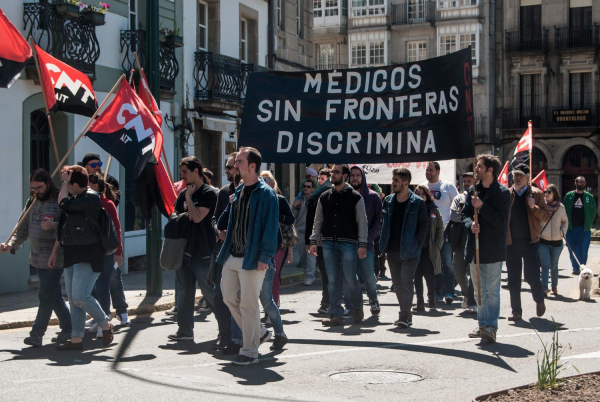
(404, 230)
(252, 235)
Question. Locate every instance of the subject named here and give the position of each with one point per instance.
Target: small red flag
(146, 94)
(503, 178)
(526, 142)
(14, 52)
(541, 180)
(67, 89)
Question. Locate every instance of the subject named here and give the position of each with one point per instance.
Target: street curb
(146, 308)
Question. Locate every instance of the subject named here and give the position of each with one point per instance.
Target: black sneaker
(265, 337)
(322, 309)
(61, 337)
(333, 321)
(279, 342)
(375, 308)
(180, 337)
(358, 315)
(242, 360)
(33, 340)
(402, 324)
(231, 349)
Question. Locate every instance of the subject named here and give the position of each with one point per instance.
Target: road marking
(593, 355)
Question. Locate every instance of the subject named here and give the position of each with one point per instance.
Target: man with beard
(404, 230)
(40, 228)
(373, 209)
(92, 164)
(225, 343)
(341, 224)
(581, 211)
(443, 192)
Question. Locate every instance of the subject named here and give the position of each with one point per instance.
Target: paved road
(144, 365)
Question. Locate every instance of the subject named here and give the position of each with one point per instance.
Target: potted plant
(95, 14)
(68, 8)
(162, 33)
(173, 39)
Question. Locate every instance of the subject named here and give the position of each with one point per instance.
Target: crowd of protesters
(239, 238)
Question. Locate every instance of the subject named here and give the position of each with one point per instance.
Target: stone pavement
(18, 310)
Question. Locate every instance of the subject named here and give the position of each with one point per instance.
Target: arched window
(39, 141)
(580, 161)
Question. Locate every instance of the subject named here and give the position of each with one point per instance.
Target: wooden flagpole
(164, 154)
(85, 129)
(476, 216)
(530, 129)
(107, 166)
(37, 65)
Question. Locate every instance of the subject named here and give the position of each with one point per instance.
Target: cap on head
(311, 172)
(89, 157)
(468, 174)
(521, 168)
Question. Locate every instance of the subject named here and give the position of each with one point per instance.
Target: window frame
(417, 50)
(133, 13)
(244, 40)
(201, 26)
(279, 13)
(373, 8)
(457, 44)
(369, 49)
(454, 4)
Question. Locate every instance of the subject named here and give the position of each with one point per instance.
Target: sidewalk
(18, 310)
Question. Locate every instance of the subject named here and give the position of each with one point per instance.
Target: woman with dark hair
(83, 253)
(40, 228)
(551, 238)
(109, 284)
(430, 263)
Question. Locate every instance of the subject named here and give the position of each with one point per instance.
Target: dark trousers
(523, 257)
(403, 276)
(51, 299)
(424, 270)
(109, 285)
(471, 293)
(321, 264)
(187, 277)
(222, 313)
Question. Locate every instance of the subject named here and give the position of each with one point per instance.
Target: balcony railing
(527, 41)
(72, 41)
(481, 130)
(413, 12)
(569, 37)
(552, 117)
(330, 21)
(331, 66)
(220, 77)
(169, 67)
(370, 21)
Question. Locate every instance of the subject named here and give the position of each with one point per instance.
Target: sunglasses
(227, 167)
(93, 165)
(548, 192)
(268, 180)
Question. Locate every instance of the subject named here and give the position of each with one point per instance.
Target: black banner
(411, 112)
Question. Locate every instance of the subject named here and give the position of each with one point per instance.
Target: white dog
(585, 283)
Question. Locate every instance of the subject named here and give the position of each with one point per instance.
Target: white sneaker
(99, 332)
(93, 328)
(125, 321)
(90, 322)
(172, 311)
(308, 282)
(472, 309)
(464, 304)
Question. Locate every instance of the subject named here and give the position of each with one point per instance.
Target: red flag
(503, 178)
(526, 142)
(14, 52)
(127, 131)
(67, 89)
(168, 196)
(146, 94)
(541, 180)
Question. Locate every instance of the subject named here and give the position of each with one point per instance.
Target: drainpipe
(271, 37)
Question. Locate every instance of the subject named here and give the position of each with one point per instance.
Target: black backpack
(108, 233)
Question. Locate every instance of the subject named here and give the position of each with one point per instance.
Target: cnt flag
(128, 132)
(67, 89)
(14, 52)
(524, 147)
(541, 180)
(503, 178)
(154, 186)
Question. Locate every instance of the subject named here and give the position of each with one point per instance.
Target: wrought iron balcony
(71, 40)
(552, 117)
(570, 37)
(132, 41)
(220, 77)
(527, 41)
(331, 66)
(413, 12)
(169, 67)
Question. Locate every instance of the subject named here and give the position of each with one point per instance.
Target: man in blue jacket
(404, 230)
(251, 222)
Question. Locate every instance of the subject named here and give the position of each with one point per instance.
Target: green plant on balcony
(172, 37)
(68, 8)
(95, 14)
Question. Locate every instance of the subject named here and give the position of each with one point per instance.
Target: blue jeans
(366, 270)
(341, 262)
(448, 281)
(187, 276)
(549, 256)
(117, 293)
(110, 286)
(51, 299)
(579, 242)
(489, 309)
(80, 281)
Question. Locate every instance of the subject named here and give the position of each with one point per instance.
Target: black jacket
(493, 223)
(80, 217)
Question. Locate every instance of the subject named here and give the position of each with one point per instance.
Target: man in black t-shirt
(198, 200)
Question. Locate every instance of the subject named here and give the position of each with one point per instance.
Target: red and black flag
(128, 132)
(14, 52)
(67, 89)
(524, 147)
(154, 187)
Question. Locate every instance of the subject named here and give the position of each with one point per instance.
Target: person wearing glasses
(40, 228)
(341, 225)
(581, 211)
(92, 164)
(551, 238)
(308, 261)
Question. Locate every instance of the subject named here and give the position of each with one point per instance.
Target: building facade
(550, 77)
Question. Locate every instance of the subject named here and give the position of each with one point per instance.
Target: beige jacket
(557, 228)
